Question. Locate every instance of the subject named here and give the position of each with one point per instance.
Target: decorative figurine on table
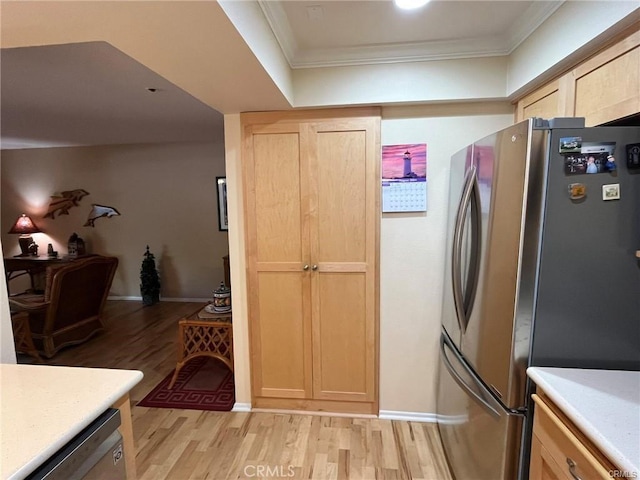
(33, 249)
(51, 253)
(75, 246)
(222, 299)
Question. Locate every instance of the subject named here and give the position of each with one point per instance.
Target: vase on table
(222, 299)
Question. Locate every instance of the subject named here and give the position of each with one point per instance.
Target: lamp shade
(24, 225)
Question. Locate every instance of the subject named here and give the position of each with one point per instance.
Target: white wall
(435, 81)
(7, 347)
(241, 362)
(412, 251)
(248, 19)
(166, 195)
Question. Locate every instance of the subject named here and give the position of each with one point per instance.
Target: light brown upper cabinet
(312, 216)
(603, 88)
(607, 87)
(543, 103)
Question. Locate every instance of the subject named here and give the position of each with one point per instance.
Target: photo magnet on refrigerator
(570, 144)
(577, 191)
(633, 156)
(589, 157)
(611, 191)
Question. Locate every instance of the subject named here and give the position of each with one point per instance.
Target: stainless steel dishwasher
(96, 453)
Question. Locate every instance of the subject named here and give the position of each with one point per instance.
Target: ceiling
(93, 94)
(329, 33)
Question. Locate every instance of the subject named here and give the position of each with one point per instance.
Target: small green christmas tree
(149, 279)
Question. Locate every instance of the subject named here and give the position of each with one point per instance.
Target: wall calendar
(404, 178)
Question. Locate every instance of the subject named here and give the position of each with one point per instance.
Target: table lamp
(25, 227)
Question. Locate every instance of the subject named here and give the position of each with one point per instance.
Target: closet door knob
(314, 268)
(305, 268)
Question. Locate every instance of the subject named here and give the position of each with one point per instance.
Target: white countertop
(603, 404)
(43, 407)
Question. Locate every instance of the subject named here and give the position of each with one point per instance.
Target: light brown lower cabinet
(559, 451)
(312, 215)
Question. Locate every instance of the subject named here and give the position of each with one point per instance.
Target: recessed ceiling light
(410, 4)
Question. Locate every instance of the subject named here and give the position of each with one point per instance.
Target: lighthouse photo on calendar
(404, 178)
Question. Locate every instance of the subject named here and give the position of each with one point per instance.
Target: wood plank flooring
(190, 444)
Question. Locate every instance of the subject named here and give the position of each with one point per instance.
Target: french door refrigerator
(541, 270)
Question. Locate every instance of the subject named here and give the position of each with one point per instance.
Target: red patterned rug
(202, 384)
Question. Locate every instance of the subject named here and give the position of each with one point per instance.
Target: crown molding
(400, 53)
(279, 24)
(498, 45)
(535, 16)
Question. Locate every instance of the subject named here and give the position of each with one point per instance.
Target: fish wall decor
(99, 211)
(63, 202)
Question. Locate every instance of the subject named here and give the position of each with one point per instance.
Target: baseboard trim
(384, 414)
(408, 416)
(180, 299)
(313, 412)
(241, 407)
(162, 299)
(452, 419)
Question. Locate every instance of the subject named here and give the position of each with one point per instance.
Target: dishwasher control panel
(96, 453)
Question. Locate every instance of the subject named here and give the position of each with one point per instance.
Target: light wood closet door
(344, 207)
(277, 198)
(312, 186)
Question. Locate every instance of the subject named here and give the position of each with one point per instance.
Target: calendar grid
(403, 196)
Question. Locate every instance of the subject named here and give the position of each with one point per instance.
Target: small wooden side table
(203, 334)
(22, 335)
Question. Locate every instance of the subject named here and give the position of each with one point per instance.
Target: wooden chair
(70, 310)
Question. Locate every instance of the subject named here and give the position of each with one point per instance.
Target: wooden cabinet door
(607, 87)
(603, 88)
(312, 189)
(543, 466)
(277, 202)
(547, 102)
(344, 165)
(559, 451)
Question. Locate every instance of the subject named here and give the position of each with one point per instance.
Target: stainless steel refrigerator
(541, 269)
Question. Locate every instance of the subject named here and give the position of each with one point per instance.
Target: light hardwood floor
(190, 444)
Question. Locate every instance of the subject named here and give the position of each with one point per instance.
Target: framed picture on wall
(223, 223)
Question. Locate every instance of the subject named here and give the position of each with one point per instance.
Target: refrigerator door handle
(474, 263)
(444, 345)
(470, 184)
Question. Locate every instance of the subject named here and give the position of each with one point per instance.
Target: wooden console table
(203, 334)
(34, 266)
